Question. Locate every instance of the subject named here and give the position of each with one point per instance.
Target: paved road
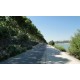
(42, 54)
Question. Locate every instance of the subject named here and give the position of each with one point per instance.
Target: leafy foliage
(51, 43)
(23, 37)
(4, 32)
(75, 45)
(17, 34)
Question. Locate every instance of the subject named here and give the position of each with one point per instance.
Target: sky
(56, 28)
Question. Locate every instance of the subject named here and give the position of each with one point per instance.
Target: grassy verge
(60, 48)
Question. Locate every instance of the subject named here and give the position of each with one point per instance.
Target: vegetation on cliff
(17, 34)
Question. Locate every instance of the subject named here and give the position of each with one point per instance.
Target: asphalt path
(42, 54)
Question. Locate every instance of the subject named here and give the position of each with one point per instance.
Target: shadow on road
(36, 55)
(52, 56)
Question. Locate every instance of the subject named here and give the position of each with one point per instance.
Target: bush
(34, 43)
(60, 48)
(12, 50)
(52, 43)
(74, 48)
(13, 31)
(4, 32)
(29, 47)
(15, 49)
(3, 55)
(7, 32)
(22, 37)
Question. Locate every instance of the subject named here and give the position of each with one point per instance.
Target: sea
(65, 45)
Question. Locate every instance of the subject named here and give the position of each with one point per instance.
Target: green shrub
(11, 51)
(52, 43)
(7, 32)
(74, 48)
(30, 47)
(60, 48)
(3, 55)
(13, 31)
(15, 49)
(34, 43)
(4, 32)
(22, 37)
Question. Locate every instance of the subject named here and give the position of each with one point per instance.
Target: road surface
(42, 54)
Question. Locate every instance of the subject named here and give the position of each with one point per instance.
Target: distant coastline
(65, 45)
(64, 41)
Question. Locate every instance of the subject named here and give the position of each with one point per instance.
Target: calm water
(65, 45)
